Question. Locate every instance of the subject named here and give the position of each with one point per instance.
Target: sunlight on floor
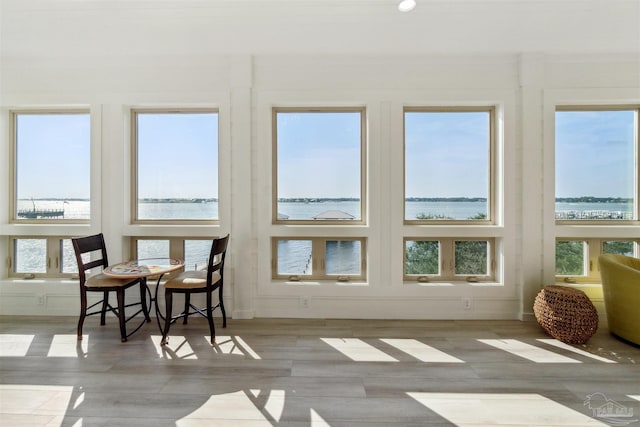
(24, 405)
(358, 350)
(421, 351)
(177, 348)
(68, 346)
(241, 405)
(477, 409)
(317, 420)
(528, 351)
(13, 345)
(234, 345)
(568, 347)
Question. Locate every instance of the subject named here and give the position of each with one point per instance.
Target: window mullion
(319, 258)
(447, 261)
(51, 255)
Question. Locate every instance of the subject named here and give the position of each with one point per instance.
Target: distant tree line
(591, 199)
(422, 257)
(177, 200)
(317, 199)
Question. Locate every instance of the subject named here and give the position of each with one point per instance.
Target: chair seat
(101, 280)
(192, 280)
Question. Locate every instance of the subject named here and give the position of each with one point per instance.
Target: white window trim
(554, 99)
(13, 150)
(133, 114)
(447, 261)
(363, 164)
(492, 192)
(318, 259)
(593, 249)
(636, 206)
(53, 258)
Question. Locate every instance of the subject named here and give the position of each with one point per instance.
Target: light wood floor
(276, 372)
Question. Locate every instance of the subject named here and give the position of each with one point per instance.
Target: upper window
(51, 163)
(448, 165)
(176, 165)
(319, 165)
(596, 164)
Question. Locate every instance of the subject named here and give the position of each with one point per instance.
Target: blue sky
(446, 154)
(594, 153)
(178, 155)
(319, 154)
(53, 156)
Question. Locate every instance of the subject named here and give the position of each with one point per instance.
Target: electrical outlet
(466, 303)
(41, 299)
(304, 302)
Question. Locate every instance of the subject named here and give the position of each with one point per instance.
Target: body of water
(343, 257)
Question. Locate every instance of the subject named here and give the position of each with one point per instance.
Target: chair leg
(121, 315)
(168, 297)
(224, 313)
(212, 327)
(143, 298)
(105, 303)
(187, 303)
(83, 313)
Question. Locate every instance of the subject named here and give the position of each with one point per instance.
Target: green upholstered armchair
(621, 288)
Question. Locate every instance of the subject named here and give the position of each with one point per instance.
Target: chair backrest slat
(216, 258)
(89, 245)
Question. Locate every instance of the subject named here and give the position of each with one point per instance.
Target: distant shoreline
(582, 199)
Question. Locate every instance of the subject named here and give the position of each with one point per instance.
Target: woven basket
(565, 313)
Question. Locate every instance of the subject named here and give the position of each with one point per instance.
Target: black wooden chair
(199, 281)
(91, 253)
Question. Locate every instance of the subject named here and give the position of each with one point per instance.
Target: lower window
(38, 256)
(577, 259)
(437, 259)
(194, 252)
(301, 258)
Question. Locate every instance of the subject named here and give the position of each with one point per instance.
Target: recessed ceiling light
(406, 5)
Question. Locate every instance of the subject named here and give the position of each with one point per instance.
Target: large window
(318, 165)
(448, 165)
(438, 259)
(51, 162)
(331, 258)
(596, 185)
(596, 164)
(176, 165)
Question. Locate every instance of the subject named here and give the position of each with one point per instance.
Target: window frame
(54, 258)
(363, 164)
(492, 169)
(447, 261)
(318, 254)
(133, 113)
(636, 205)
(13, 167)
(593, 249)
(176, 245)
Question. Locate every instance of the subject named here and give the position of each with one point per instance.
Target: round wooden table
(143, 269)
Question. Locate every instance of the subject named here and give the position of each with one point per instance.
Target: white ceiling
(43, 28)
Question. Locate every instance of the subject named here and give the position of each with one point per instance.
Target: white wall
(138, 70)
